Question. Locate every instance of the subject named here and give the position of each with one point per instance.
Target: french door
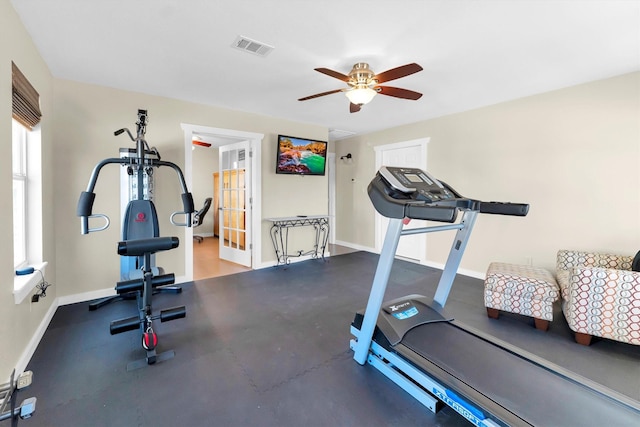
(235, 203)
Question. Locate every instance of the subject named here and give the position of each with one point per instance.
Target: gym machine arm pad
(85, 204)
(85, 207)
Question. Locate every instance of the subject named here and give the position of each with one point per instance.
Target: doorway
(218, 138)
(403, 154)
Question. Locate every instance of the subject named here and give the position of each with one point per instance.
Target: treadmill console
(412, 180)
(398, 192)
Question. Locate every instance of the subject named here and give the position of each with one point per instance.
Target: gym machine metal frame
(143, 248)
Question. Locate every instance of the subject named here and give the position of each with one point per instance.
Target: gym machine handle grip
(85, 203)
(188, 209)
(500, 208)
(187, 203)
(85, 207)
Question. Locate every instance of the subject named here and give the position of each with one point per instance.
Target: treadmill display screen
(402, 311)
(406, 314)
(413, 177)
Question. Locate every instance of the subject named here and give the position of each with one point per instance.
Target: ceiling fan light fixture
(360, 95)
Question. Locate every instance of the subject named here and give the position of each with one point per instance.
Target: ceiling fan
(363, 84)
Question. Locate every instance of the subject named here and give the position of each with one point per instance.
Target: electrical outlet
(529, 260)
(24, 380)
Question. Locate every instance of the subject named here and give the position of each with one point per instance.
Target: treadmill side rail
(378, 289)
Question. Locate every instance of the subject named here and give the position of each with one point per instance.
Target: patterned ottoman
(521, 289)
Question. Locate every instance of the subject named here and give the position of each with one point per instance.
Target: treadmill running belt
(534, 393)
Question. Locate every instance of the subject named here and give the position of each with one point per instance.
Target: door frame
(255, 162)
(379, 149)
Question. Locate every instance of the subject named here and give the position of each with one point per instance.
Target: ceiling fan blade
(398, 92)
(320, 94)
(398, 72)
(332, 73)
(353, 108)
(201, 143)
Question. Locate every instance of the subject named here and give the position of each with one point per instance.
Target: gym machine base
(140, 242)
(438, 360)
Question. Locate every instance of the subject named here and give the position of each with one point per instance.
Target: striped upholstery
(601, 295)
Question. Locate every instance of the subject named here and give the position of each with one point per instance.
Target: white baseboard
(357, 247)
(27, 354)
(292, 260)
(462, 271)
(86, 296)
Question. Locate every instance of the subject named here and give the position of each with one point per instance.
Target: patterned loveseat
(600, 295)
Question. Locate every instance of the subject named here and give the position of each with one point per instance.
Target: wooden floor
(207, 263)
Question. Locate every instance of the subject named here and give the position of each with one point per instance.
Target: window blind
(26, 100)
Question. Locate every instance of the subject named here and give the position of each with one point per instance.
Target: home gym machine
(413, 341)
(140, 240)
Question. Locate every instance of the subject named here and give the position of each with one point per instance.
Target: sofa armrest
(604, 302)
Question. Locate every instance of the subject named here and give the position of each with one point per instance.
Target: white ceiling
(474, 52)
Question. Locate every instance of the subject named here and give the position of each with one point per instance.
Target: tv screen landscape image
(301, 156)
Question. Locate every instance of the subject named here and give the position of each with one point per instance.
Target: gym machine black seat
(141, 240)
(415, 343)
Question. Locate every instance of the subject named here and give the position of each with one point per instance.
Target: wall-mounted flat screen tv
(301, 156)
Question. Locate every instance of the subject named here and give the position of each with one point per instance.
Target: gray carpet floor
(271, 348)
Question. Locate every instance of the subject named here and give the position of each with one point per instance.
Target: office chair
(198, 218)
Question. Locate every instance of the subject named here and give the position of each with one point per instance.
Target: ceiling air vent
(247, 45)
(335, 134)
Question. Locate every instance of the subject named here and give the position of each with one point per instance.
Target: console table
(280, 235)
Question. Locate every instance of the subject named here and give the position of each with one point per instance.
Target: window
(20, 184)
(27, 184)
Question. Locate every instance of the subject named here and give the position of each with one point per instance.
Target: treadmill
(438, 360)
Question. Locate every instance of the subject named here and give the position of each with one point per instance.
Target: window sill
(23, 285)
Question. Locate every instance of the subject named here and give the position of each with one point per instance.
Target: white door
(235, 203)
(409, 154)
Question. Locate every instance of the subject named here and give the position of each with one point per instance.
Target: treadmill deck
(535, 394)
